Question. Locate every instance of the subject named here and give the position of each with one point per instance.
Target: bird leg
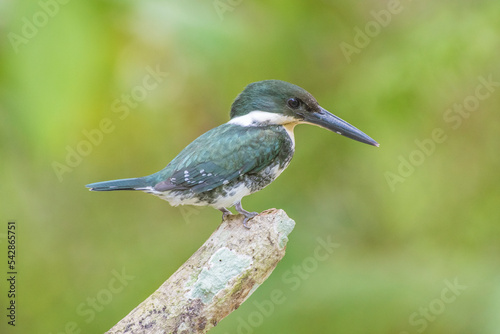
(225, 213)
(248, 215)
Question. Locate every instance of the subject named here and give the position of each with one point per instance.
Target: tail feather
(124, 184)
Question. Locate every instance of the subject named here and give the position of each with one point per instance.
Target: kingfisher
(242, 156)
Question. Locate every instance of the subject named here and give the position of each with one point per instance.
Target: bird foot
(248, 215)
(225, 213)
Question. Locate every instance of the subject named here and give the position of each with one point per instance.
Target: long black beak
(329, 121)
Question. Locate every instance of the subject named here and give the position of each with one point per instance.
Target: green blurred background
(410, 219)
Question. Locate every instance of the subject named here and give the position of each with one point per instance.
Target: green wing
(222, 155)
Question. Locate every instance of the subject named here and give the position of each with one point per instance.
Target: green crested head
(274, 96)
(281, 103)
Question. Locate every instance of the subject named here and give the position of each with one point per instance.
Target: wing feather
(222, 155)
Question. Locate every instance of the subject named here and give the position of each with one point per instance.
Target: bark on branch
(216, 279)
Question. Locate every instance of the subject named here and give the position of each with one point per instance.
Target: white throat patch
(257, 118)
(262, 118)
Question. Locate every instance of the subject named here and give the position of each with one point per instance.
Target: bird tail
(124, 184)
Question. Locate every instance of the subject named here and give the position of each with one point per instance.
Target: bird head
(280, 102)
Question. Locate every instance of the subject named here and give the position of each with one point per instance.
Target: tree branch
(216, 279)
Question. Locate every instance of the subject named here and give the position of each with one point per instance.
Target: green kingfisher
(242, 156)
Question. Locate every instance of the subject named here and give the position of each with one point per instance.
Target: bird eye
(293, 103)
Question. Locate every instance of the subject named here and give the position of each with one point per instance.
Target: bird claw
(248, 216)
(225, 213)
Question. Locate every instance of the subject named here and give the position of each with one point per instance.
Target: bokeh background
(98, 90)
